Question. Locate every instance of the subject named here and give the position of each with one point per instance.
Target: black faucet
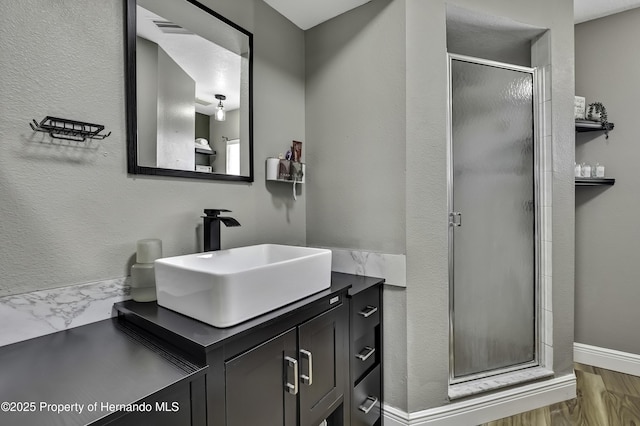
(212, 227)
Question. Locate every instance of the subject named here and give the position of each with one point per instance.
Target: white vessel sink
(224, 288)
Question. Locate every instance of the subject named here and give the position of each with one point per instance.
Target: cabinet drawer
(366, 400)
(366, 312)
(365, 354)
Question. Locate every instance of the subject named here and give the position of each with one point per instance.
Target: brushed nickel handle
(292, 388)
(365, 353)
(368, 311)
(307, 379)
(372, 400)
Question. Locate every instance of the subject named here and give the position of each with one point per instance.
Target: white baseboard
(623, 362)
(486, 408)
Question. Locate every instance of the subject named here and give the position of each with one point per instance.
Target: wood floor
(604, 398)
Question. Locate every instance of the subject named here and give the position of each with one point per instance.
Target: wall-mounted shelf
(285, 171)
(205, 151)
(595, 181)
(286, 180)
(71, 130)
(591, 126)
(204, 159)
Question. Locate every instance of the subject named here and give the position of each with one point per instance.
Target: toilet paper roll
(148, 250)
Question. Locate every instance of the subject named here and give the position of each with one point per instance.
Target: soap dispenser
(143, 276)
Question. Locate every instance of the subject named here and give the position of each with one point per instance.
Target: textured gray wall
(488, 36)
(355, 128)
(202, 125)
(395, 347)
(147, 101)
(176, 115)
(607, 238)
(377, 91)
(72, 215)
(355, 158)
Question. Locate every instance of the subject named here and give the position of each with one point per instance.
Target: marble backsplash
(28, 315)
(391, 267)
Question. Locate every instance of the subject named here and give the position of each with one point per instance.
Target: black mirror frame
(132, 105)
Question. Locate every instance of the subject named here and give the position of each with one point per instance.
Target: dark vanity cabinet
(323, 351)
(301, 370)
(179, 404)
(316, 359)
(366, 356)
(255, 381)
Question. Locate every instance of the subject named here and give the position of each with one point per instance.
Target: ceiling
(213, 68)
(309, 13)
(586, 10)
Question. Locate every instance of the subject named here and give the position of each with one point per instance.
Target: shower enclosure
(493, 218)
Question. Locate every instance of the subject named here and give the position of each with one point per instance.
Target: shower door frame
(537, 196)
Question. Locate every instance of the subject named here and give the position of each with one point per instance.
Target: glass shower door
(492, 203)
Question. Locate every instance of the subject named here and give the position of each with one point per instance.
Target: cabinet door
(256, 384)
(322, 356)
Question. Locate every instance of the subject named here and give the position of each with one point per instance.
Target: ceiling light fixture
(220, 115)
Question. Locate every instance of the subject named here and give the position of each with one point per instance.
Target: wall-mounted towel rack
(72, 130)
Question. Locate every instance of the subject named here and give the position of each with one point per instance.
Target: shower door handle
(455, 219)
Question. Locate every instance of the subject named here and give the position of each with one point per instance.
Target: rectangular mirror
(189, 92)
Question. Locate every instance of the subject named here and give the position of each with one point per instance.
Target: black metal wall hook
(72, 130)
